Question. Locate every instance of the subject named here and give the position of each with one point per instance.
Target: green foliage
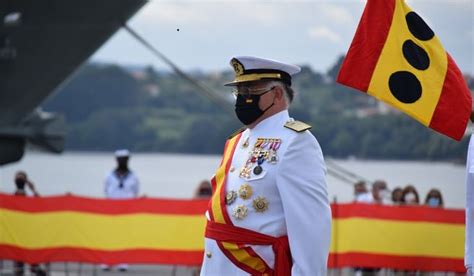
(110, 107)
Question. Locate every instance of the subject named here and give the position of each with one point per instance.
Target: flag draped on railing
(168, 231)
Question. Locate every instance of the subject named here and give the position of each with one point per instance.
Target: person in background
(397, 196)
(361, 194)
(410, 196)
(204, 190)
(121, 183)
(434, 198)
(22, 182)
(379, 191)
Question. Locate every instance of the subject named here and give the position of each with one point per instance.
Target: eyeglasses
(247, 92)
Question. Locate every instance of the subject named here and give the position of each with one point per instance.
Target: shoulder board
(236, 132)
(297, 126)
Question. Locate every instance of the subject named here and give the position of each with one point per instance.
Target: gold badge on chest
(260, 204)
(230, 197)
(245, 191)
(240, 212)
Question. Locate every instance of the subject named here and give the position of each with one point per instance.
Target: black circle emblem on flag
(418, 27)
(405, 87)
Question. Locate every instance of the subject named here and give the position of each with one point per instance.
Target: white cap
(122, 153)
(248, 69)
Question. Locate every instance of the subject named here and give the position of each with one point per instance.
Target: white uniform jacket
(128, 189)
(469, 255)
(296, 192)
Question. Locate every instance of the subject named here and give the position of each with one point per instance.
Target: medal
(260, 204)
(258, 169)
(240, 212)
(245, 191)
(230, 197)
(264, 149)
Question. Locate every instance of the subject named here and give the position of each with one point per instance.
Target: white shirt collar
(278, 119)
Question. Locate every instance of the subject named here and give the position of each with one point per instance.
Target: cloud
(337, 14)
(324, 33)
(198, 12)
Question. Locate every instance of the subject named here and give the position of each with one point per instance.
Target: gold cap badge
(238, 67)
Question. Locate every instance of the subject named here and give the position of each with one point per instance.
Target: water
(177, 175)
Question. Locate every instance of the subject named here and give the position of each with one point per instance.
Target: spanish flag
(397, 237)
(171, 231)
(397, 58)
(71, 228)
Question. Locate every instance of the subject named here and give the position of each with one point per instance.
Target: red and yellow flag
(397, 237)
(397, 58)
(164, 231)
(70, 228)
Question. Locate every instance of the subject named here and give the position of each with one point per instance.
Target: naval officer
(269, 212)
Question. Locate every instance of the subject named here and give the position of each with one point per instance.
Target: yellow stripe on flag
(404, 238)
(106, 232)
(391, 60)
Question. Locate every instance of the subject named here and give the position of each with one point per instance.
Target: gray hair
(289, 93)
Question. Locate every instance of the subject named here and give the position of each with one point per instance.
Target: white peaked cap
(248, 69)
(122, 153)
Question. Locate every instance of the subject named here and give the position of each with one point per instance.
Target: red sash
(229, 233)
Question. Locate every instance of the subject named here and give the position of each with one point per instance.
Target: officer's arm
(302, 186)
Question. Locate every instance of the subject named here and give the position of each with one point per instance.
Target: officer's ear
(279, 92)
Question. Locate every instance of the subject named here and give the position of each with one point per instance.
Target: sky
(204, 35)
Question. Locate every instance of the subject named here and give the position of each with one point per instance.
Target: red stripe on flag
(367, 45)
(401, 213)
(103, 206)
(455, 94)
(136, 256)
(395, 262)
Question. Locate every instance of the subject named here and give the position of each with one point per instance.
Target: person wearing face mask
(379, 191)
(269, 213)
(410, 196)
(121, 183)
(434, 199)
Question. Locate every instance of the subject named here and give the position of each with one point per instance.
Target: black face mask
(247, 109)
(20, 183)
(122, 164)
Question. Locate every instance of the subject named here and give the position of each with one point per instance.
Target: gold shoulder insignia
(297, 126)
(236, 132)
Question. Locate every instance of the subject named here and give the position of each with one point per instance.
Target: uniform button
(208, 254)
(232, 169)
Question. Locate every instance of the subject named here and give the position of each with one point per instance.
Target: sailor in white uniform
(121, 183)
(269, 214)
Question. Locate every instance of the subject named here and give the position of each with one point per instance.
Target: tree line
(108, 107)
